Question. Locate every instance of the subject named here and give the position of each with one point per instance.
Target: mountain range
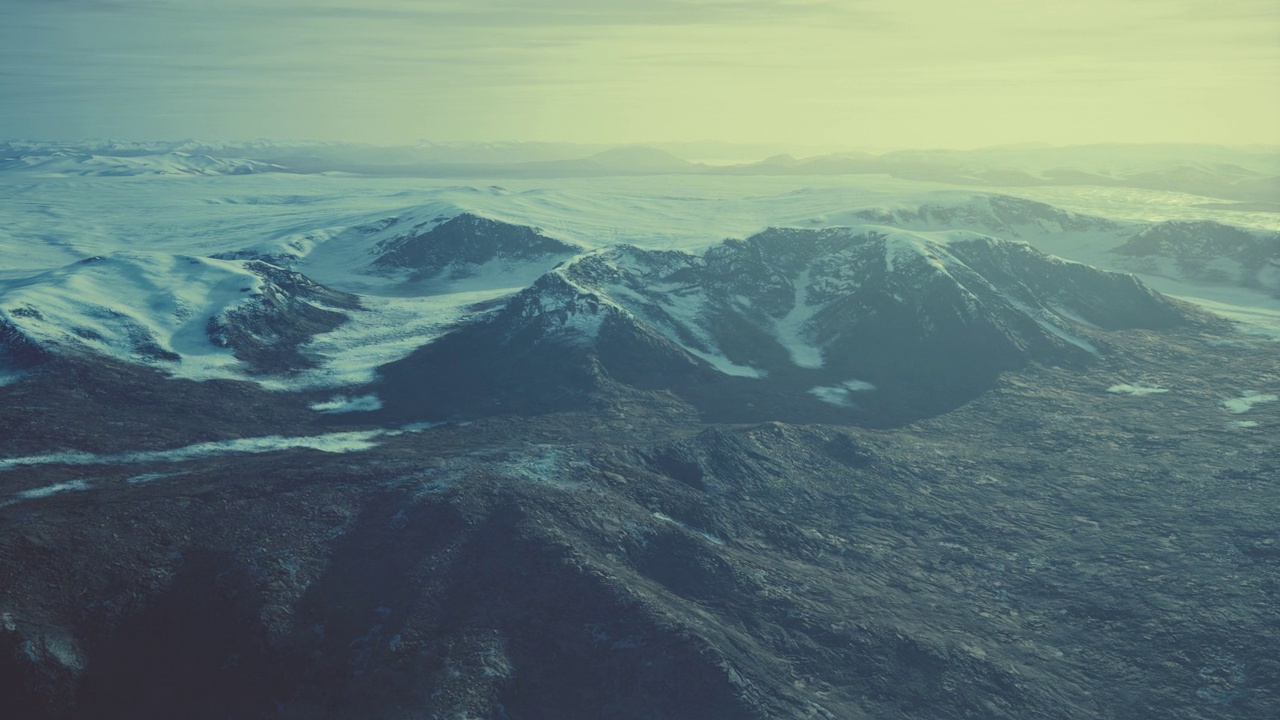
(484, 451)
(1242, 175)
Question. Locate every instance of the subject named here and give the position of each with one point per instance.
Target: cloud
(472, 13)
(571, 13)
(451, 66)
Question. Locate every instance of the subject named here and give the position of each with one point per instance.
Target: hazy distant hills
(86, 163)
(1250, 174)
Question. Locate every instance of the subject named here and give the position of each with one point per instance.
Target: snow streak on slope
(337, 442)
(792, 329)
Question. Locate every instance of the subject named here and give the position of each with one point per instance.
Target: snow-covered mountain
(1206, 251)
(425, 262)
(852, 317)
(256, 313)
(197, 317)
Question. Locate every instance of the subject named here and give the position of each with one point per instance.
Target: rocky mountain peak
(458, 245)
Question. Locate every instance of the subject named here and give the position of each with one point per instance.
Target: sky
(868, 74)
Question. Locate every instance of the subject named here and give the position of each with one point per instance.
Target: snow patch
(48, 490)
(415, 428)
(1051, 323)
(1135, 390)
(1073, 316)
(791, 329)
(700, 533)
(345, 404)
(841, 394)
(901, 248)
(1246, 402)
(339, 442)
(725, 365)
(384, 330)
(150, 477)
(9, 377)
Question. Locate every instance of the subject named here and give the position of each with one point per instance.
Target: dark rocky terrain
(604, 525)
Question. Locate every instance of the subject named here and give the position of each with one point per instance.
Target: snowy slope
(244, 314)
(141, 307)
(196, 317)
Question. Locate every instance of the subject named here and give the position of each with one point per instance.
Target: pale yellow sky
(865, 73)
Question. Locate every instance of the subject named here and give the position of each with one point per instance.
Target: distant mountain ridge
(1249, 175)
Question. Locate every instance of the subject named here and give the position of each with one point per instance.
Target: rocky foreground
(1072, 543)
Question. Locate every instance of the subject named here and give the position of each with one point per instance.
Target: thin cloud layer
(874, 73)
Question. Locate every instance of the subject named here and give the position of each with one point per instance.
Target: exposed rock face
(287, 309)
(459, 245)
(17, 350)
